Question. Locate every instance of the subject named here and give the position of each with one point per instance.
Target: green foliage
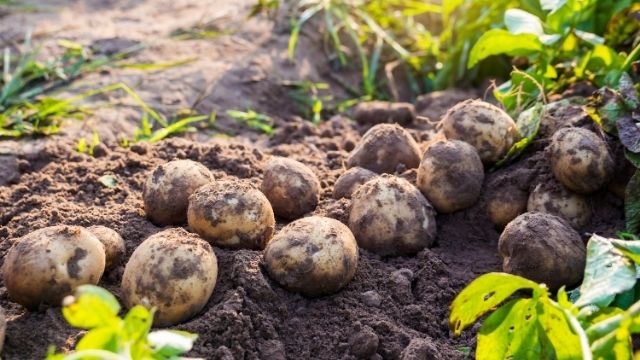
(84, 148)
(111, 337)
(253, 119)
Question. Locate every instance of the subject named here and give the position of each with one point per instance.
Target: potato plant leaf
(566, 336)
(499, 42)
(482, 295)
(629, 133)
(108, 181)
(91, 307)
(528, 125)
(632, 204)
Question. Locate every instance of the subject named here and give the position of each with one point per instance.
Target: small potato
(385, 147)
(486, 127)
(379, 112)
(114, 246)
(48, 264)
(167, 189)
(314, 256)
(451, 175)
(291, 187)
(505, 203)
(350, 180)
(580, 160)
(554, 199)
(231, 214)
(389, 216)
(543, 248)
(174, 271)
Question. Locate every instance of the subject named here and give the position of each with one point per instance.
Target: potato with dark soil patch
(114, 246)
(390, 216)
(385, 148)
(379, 112)
(505, 203)
(543, 248)
(451, 175)
(291, 187)
(46, 265)
(231, 214)
(553, 198)
(350, 180)
(313, 256)
(580, 160)
(167, 189)
(174, 271)
(485, 126)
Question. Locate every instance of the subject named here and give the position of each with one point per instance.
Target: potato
(350, 180)
(553, 198)
(174, 271)
(580, 160)
(384, 148)
(505, 203)
(3, 327)
(313, 256)
(231, 214)
(486, 127)
(167, 189)
(450, 175)
(44, 266)
(291, 187)
(543, 248)
(114, 246)
(378, 112)
(389, 216)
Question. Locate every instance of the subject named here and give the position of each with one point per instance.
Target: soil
(394, 308)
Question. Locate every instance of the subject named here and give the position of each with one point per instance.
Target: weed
(253, 119)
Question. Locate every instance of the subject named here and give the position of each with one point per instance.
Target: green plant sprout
(253, 119)
(87, 148)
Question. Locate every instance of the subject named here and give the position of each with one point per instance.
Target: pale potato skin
(505, 204)
(379, 112)
(389, 216)
(174, 271)
(450, 175)
(580, 160)
(291, 187)
(46, 265)
(543, 248)
(313, 256)
(231, 214)
(114, 246)
(168, 187)
(350, 180)
(485, 126)
(554, 199)
(384, 148)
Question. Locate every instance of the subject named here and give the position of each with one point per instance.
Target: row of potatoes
(176, 270)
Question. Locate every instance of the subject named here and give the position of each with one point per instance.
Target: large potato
(114, 246)
(389, 216)
(486, 127)
(167, 189)
(231, 214)
(350, 180)
(450, 175)
(384, 148)
(554, 199)
(580, 160)
(543, 248)
(291, 187)
(48, 264)
(174, 271)
(313, 256)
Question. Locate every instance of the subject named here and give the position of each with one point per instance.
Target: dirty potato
(3, 327)
(450, 175)
(114, 246)
(167, 189)
(231, 214)
(389, 216)
(379, 112)
(553, 198)
(313, 256)
(580, 160)
(505, 203)
(350, 180)
(543, 248)
(486, 127)
(46, 265)
(174, 271)
(291, 187)
(384, 148)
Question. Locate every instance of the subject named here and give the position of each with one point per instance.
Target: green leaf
(482, 295)
(108, 181)
(499, 41)
(608, 272)
(521, 22)
(631, 249)
(563, 331)
(632, 204)
(528, 125)
(170, 342)
(104, 338)
(91, 307)
(137, 323)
